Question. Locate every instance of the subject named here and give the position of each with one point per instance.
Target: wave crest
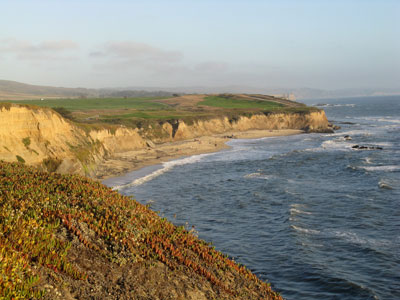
(165, 168)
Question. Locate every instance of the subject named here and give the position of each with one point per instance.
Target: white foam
(342, 144)
(304, 230)
(389, 168)
(312, 149)
(391, 126)
(165, 168)
(381, 119)
(396, 121)
(252, 175)
(335, 145)
(383, 144)
(355, 239)
(352, 133)
(294, 211)
(384, 185)
(351, 196)
(291, 192)
(258, 175)
(346, 105)
(334, 105)
(368, 160)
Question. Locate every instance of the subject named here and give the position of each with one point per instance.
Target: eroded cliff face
(120, 140)
(309, 122)
(41, 137)
(34, 135)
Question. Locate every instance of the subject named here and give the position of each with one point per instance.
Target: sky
(321, 44)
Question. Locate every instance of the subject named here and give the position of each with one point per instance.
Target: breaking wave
(304, 230)
(258, 175)
(380, 168)
(334, 105)
(165, 168)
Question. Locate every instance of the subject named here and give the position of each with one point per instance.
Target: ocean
(313, 214)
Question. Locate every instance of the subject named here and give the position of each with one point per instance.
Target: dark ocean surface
(310, 214)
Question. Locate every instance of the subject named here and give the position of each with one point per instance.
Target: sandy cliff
(41, 137)
(35, 135)
(311, 122)
(122, 139)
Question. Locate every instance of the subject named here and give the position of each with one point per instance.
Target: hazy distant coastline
(13, 90)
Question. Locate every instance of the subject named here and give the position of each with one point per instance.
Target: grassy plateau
(139, 112)
(229, 103)
(97, 103)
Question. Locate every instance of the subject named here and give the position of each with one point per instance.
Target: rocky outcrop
(358, 147)
(41, 137)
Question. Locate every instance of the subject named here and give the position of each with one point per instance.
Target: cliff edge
(43, 138)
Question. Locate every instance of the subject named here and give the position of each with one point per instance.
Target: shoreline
(124, 162)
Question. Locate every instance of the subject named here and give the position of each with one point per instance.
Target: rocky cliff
(41, 137)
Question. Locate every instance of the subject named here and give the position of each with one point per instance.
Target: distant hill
(292, 93)
(308, 93)
(12, 90)
(16, 90)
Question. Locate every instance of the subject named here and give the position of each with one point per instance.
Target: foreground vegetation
(63, 236)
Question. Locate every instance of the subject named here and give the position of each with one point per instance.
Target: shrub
(65, 113)
(26, 141)
(20, 159)
(51, 164)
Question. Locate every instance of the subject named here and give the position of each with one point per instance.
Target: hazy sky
(284, 43)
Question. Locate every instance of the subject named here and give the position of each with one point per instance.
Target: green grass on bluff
(230, 103)
(145, 112)
(156, 115)
(99, 103)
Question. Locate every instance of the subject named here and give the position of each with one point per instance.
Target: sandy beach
(121, 163)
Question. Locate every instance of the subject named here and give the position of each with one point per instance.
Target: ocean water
(310, 214)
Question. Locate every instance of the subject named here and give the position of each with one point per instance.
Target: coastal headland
(66, 236)
(101, 138)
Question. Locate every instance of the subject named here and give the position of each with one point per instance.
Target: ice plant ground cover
(48, 220)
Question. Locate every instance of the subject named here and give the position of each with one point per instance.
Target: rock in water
(358, 147)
